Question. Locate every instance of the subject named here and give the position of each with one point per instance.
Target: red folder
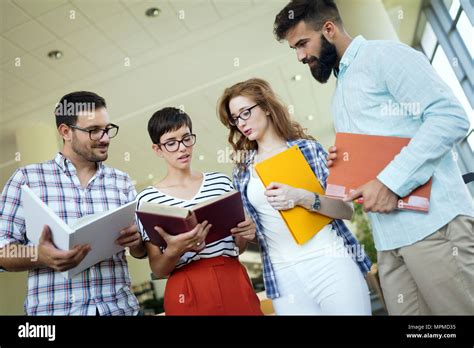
(223, 212)
(360, 158)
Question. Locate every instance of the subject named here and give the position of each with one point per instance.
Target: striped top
(213, 185)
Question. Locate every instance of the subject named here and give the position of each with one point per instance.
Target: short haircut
(71, 104)
(313, 12)
(167, 120)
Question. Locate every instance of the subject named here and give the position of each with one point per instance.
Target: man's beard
(327, 61)
(88, 155)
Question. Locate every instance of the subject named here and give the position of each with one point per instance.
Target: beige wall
(12, 292)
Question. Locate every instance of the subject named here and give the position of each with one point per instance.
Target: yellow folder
(290, 168)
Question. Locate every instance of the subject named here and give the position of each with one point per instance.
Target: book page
(37, 214)
(101, 233)
(87, 219)
(161, 209)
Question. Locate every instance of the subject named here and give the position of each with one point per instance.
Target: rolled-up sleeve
(12, 221)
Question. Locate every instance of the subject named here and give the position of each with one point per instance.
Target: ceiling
(185, 58)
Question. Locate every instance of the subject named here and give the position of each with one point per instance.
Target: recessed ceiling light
(201, 157)
(153, 12)
(310, 117)
(297, 78)
(150, 176)
(55, 54)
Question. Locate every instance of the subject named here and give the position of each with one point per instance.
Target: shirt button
(72, 298)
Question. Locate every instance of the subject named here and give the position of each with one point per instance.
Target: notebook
(361, 158)
(290, 168)
(100, 230)
(223, 212)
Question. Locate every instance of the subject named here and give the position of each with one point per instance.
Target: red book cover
(360, 158)
(223, 212)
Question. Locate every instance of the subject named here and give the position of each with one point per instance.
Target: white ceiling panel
(69, 54)
(164, 28)
(195, 14)
(37, 7)
(119, 26)
(28, 67)
(88, 38)
(98, 10)
(9, 51)
(227, 8)
(11, 15)
(29, 35)
(77, 69)
(48, 80)
(64, 20)
(105, 57)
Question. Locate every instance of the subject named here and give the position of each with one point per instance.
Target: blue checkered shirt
(316, 157)
(104, 286)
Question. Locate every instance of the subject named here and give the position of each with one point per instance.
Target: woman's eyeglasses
(244, 115)
(173, 145)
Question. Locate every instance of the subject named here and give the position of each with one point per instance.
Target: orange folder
(360, 158)
(290, 168)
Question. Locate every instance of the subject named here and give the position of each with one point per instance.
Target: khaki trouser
(433, 276)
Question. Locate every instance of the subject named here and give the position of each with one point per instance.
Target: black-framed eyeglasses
(98, 133)
(244, 115)
(173, 145)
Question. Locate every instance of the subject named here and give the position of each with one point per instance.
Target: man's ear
(329, 31)
(156, 148)
(65, 132)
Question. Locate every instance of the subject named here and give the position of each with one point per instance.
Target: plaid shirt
(106, 285)
(316, 157)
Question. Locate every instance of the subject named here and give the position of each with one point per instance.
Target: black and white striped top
(213, 185)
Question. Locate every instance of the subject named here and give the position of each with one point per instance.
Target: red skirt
(215, 286)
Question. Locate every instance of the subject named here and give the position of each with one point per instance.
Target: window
(453, 6)
(443, 24)
(464, 28)
(443, 67)
(429, 41)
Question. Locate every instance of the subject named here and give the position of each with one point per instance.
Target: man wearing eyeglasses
(75, 183)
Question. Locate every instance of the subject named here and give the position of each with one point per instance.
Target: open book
(99, 230)
(223, 213)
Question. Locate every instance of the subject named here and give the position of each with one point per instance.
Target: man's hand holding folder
(377, 198)
(355, 175)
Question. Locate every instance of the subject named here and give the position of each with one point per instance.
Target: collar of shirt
(68, 167)
(349, 55)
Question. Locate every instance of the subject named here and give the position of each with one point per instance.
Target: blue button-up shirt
(316, 158)
(388, 88)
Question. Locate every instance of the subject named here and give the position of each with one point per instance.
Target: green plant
(155, 305)
(364, 232)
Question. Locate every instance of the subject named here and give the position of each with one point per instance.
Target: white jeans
(329, 284)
